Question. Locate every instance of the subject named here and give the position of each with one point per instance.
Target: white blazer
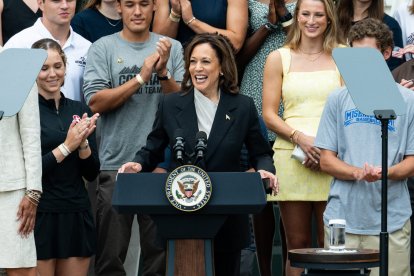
(20, 151)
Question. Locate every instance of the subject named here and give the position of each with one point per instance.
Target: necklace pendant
(112, 24)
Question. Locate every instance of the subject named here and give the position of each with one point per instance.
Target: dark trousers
(114, 233)
(227, 263)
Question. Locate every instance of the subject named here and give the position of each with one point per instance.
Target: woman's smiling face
(52, 74)
(205, 69)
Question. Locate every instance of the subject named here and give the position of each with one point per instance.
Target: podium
(189, 234)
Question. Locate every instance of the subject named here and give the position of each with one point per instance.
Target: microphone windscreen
(178, 133)
(201, 135)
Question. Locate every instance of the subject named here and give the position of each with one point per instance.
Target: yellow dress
(304, 95)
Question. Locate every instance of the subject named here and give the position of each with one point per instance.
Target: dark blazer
(235, 123)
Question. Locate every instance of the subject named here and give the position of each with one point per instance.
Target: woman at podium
(210, 102)
(64, 229)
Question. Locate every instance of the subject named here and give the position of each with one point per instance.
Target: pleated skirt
(64, 235)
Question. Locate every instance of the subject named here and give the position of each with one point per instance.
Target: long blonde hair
(331, 36)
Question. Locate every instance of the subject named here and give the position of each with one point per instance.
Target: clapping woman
(64, 230)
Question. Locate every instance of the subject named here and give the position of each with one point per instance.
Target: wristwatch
(270, 27)
(166, 77)
(288, 16)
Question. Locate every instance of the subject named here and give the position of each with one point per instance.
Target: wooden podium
(189, 234)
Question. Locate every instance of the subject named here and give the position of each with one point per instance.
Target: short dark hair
(225, 54)
(46, 44)
(373, 28)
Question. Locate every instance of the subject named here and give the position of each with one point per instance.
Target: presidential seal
(188, 188)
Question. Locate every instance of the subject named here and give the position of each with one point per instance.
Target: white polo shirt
(75, 48)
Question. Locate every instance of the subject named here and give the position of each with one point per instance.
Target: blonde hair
(331, 35)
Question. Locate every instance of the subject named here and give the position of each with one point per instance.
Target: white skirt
(15, 251)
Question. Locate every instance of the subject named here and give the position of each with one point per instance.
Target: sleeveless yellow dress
(304, 95)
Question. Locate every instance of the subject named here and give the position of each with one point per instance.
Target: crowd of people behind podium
(122, 75)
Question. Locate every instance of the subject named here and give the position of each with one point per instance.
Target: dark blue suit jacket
(235, 123)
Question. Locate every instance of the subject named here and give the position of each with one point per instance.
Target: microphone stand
(384, 116)
(178, 149)
(200, 147)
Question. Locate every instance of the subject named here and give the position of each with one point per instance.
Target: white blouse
(206, 110)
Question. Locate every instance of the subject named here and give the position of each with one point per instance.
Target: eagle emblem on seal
(188, 186)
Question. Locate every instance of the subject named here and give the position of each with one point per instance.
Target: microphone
(201, 146)
(178, 147)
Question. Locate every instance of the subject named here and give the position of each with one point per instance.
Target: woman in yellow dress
(301, 75)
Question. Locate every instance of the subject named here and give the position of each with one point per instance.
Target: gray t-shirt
(357, 139)
(112, 61)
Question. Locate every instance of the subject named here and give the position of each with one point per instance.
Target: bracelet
(175, 14)
(174, 18)
(32, 201)
(64, 150)
(292, 133)
(287, 23)
(139, 79)
(190, 21)
(84, 147)
(295, 136)
(33, 196)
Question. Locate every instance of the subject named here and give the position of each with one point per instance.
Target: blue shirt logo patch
(354, 116)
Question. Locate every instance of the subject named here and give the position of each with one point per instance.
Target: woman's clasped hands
(79, 131)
